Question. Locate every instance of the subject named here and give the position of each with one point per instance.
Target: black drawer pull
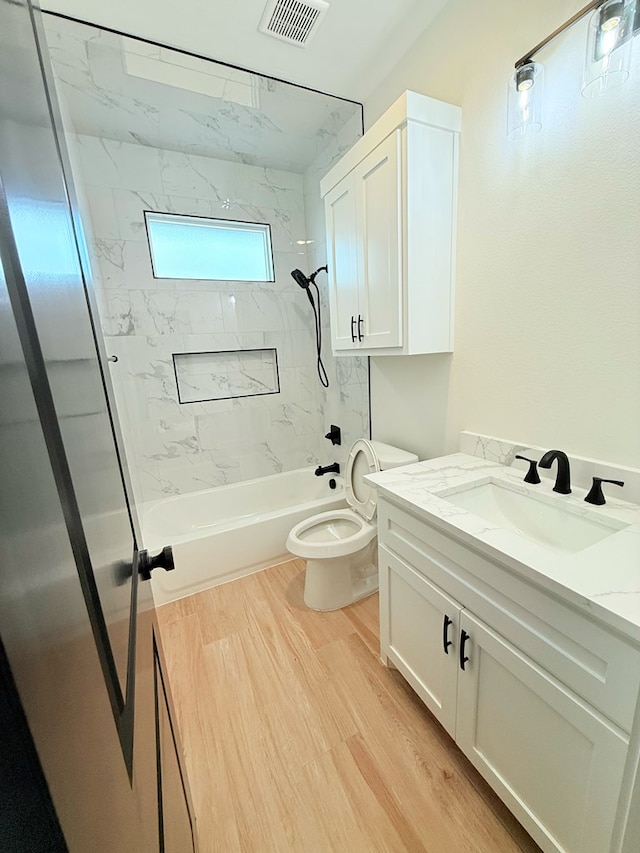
(360, 322)
(463, 658)
(353, 330)
(446, 642)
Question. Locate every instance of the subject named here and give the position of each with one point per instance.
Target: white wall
(547, 347)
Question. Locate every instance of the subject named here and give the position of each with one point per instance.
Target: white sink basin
(542, 520)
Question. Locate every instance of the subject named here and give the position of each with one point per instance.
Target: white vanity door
(419, 635)
(555, 762)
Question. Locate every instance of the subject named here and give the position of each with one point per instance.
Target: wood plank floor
(297, 738)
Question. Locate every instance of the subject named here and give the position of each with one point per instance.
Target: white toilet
(340, 546)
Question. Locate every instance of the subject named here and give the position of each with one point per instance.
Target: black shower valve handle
(532, 475)
(596, 495)
(334, 435)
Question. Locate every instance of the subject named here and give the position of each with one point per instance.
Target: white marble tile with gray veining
(130, 170)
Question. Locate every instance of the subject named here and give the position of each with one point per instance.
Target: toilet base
(334, 583)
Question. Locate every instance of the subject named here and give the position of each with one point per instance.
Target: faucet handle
(334, 435)
(532, 475)
(595, 495)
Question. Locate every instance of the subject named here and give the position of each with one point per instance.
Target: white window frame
(262, 228)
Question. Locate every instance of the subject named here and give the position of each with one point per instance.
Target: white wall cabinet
(555, 759)
(390, 207)
(363, 214)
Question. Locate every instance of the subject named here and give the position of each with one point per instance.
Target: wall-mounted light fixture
(526, 90)
(608, 56)
(611, 29)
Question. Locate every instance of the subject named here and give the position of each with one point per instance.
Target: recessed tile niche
(202, 376)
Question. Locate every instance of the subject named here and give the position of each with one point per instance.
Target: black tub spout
(334, 468)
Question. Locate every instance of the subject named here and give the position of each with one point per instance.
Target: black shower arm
(313, 275)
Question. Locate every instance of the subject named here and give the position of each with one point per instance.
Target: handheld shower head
(305, 283)
(300, 278)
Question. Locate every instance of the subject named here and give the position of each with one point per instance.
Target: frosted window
(220, 249)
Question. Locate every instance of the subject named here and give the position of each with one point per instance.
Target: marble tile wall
(174, 448)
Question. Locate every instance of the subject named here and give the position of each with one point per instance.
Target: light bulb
(524, 77)
(611, 15)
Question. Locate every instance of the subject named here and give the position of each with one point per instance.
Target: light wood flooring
(297, 738)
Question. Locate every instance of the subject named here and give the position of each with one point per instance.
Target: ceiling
(356, 45)
(122, 89)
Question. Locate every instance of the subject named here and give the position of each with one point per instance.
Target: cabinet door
(379, 215)
(555, 762)
(175, 824)
(340, 214)
(418, 634)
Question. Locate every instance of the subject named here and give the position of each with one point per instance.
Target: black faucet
(563, 477)
(334, 468)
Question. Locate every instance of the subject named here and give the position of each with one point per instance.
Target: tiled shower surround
(175, 448)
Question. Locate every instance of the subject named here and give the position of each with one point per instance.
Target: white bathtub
(221, 534)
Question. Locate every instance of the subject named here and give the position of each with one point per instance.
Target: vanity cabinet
(539, 699)
(390, 210)
(419, 628)
(554, 761)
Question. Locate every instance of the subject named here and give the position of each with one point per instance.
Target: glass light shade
(526, 92)
(608, 56)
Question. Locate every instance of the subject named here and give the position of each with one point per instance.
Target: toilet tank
(392, 457)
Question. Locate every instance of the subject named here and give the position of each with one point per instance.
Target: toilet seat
(342, 532)
(362, 460)
(336, 533)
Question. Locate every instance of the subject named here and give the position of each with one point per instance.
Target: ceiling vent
(295, 21)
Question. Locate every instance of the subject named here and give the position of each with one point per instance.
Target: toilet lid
(360, 495)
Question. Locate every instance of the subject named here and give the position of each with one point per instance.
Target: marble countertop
(602, 579)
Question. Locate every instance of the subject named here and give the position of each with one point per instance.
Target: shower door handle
(360, 322)
(353, 329)
(163, 560)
